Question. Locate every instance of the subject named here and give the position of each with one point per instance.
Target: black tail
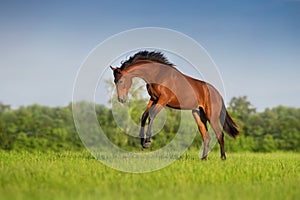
(229, 126)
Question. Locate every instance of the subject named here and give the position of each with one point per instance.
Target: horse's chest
(153, 92)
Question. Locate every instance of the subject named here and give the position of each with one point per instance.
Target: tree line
(44, 128)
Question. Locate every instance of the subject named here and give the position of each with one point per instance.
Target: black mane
(146, 55)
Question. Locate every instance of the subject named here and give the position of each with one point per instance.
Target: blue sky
(255, 44)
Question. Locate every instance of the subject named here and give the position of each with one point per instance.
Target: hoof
(223, 157)
(147, 145)
(204, 158)
(142, 141)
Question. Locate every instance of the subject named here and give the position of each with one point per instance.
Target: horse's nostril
(121, 100)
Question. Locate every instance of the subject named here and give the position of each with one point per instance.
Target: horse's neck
(146, 71)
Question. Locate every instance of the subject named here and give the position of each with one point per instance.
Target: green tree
(4, 107)
(241, 108)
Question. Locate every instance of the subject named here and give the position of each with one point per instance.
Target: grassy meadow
(77, 175)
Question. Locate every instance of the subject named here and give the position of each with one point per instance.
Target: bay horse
(167, 86)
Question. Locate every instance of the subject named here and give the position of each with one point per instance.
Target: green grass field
(72, 175)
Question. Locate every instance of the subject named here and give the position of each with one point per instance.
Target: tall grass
(72, 175)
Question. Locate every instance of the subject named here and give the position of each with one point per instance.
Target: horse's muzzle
(122, 100)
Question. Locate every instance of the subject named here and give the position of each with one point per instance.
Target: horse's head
(123, 83)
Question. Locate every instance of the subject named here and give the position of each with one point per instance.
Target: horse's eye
(120, 81)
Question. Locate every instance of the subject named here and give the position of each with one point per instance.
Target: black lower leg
(221, 142)
(147, 143)
(206, 146)
(143, 122)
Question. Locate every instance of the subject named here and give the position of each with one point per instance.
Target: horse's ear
(112, 68)
(116, 70)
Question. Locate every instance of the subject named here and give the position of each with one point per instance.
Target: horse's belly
(184, 104)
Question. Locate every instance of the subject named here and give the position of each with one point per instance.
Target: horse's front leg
(143, 122)
(155, 109)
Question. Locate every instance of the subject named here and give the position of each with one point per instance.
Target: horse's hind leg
(201, 120)
(216, 127)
